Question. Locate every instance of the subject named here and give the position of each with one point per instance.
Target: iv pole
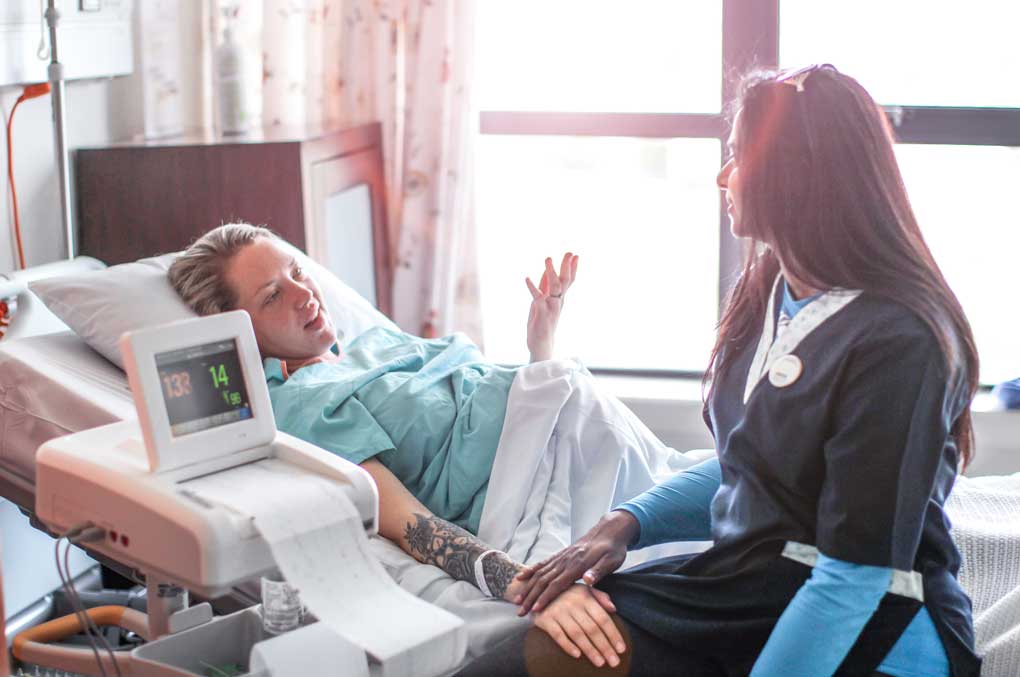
(55, 72)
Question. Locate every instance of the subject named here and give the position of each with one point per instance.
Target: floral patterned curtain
(336, 63)
(408, 65)
(293, 56)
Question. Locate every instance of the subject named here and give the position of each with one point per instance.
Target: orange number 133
(177, 384)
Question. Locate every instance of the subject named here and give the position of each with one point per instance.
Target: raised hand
(546, 304)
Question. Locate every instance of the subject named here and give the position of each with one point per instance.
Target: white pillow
(103, 304)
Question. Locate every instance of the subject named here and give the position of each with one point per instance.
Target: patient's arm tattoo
(499, 572)
(435, 541)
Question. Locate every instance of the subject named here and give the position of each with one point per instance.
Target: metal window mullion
(646, 125)
(955, 126)
(686, 374)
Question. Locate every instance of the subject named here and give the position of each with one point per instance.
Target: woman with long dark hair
(838, 393)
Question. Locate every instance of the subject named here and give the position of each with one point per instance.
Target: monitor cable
(83, 534)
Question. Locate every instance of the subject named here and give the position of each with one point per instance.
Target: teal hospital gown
(430, 410)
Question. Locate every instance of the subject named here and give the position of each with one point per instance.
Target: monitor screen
(203, 387)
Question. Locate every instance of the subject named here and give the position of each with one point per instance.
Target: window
(602, 57)
(951, 82)
(911, 52)
(602, 133)
(602, 136)
(962, 198)
(643, 216)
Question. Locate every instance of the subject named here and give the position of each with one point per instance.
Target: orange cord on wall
(30, 92)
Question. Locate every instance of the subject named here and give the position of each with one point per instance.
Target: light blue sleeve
(918, 652)
(831, 608)
(678, 509)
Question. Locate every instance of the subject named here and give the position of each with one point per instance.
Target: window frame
(750, 38)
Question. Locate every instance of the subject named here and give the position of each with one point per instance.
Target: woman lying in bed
(423, 417)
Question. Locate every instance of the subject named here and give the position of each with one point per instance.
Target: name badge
(785, 371)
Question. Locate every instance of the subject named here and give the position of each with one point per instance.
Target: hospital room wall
(98, 112)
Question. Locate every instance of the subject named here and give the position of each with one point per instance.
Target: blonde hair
(198, 274)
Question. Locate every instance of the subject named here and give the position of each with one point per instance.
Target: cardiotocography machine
(183, 496)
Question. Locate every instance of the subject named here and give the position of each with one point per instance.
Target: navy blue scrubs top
(855, 457)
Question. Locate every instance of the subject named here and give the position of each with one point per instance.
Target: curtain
(408, 64)
(338, 63)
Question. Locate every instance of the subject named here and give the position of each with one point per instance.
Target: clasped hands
(560, 605)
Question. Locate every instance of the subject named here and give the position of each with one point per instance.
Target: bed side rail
(25, 314)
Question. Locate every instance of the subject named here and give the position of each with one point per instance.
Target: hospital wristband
(480, 574)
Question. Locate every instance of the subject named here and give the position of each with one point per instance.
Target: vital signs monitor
(193, 389)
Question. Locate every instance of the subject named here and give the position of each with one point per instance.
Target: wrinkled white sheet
(568, 454)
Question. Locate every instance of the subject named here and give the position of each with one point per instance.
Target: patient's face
(285, 304)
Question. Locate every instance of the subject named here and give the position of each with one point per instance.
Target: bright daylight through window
(642, 213)
(960, 193)
(640, 205)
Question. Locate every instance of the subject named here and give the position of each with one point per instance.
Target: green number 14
(219, 376)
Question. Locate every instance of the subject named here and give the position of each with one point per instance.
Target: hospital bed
(54, 384)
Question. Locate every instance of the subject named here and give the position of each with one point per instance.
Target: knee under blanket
(568, 453)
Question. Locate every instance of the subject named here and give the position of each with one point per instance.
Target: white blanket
(985, 513)
(569, 453)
